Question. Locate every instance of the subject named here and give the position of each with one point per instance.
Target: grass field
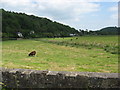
(108, 43)
(88, 54)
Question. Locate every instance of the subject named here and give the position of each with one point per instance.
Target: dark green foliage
(12, 23)
(103, 31)
(19, 22)
(109, 31)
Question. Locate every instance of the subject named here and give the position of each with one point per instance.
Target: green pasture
(108, 43)
(57, 57)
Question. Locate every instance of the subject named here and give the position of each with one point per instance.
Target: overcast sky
(80, 14)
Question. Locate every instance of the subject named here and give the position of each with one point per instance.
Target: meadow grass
(57, 57)
(108, 43)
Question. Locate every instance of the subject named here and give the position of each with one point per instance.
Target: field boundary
(26, 78)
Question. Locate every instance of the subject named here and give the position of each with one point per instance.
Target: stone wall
(25, 78)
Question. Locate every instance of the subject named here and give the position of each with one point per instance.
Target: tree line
(104, 31)
(15, 25)
(31, 26)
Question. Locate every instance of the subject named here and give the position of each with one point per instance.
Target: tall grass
(108, 43)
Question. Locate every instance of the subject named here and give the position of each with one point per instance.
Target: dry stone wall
(25, 78)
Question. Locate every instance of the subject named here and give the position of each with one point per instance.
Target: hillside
(31, 26)
(109, 31)
(103, 31)
(16, 25)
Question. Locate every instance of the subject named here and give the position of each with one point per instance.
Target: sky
(79, 14)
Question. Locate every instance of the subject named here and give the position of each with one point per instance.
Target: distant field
(108, 43)
(89, 54)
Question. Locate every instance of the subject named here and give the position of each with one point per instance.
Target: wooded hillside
(16, 25)
(32, 26)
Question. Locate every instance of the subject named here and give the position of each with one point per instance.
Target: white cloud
(114, 16)
(66, 11)
(54, 9)
(114, 10)
(15, 2)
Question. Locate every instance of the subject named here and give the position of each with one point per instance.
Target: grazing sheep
(32, 53)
